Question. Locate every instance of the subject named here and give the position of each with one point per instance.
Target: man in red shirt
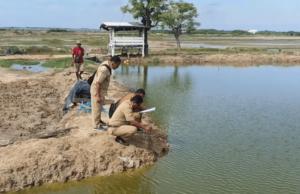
(77, 57)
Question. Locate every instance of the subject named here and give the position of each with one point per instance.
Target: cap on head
(78, 42)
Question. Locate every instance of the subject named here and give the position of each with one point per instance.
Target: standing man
(77, 57)
(123, 124)
(99, 88)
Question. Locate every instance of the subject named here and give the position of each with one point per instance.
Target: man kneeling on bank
(123, 124)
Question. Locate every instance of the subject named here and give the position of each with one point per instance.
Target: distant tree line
(58, 30)
(231, 33)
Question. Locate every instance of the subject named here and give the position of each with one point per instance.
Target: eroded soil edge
(33, 104)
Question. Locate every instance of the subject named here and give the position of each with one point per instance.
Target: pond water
(231, 130)
(203, 45)
(31, 68)
(268, 44)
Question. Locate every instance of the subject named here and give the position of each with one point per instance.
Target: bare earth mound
(32, 105)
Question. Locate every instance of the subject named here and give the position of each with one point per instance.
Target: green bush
(57, 30)
(58, 63)
(154, 61)
(39, 50)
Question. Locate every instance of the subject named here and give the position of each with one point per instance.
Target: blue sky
(277, 15)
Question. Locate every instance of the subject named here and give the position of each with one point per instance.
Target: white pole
(113, 43)
(143, 51)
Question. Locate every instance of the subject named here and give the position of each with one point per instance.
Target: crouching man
(123, 124)
(136, 110)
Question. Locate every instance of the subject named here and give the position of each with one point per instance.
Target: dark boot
(102, 123)
(121, 141)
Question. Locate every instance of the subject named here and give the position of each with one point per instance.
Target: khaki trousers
(96, 110)
(124, 131)
(78, 67)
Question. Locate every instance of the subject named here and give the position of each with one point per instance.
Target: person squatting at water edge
(123, 124)
(77, 57)
(136, 110)
(99, 88)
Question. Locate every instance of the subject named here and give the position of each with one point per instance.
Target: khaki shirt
(103, 78)
(128, 97)
(123, 115)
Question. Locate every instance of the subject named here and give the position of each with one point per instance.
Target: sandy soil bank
(220, 59)
(183, 59)
(32, 104)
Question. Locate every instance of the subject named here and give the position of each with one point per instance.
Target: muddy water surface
(231, 130)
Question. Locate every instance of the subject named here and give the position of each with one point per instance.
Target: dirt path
(35, 57)
(33, 103)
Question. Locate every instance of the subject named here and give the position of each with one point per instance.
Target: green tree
(180, 16)
(148, 11)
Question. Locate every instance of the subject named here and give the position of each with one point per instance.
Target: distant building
(253, 31)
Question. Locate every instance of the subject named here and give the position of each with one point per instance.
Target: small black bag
(77, 59)
(112, 109)
(91, 79)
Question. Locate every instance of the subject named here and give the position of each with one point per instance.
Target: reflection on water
(231, 130)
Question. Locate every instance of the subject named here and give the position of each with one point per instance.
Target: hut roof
(122, 26)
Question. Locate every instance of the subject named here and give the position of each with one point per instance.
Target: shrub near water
(45, 50)
(66, 63)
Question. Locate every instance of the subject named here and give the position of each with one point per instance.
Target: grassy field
(10, 62)
(60, 64)
(42, 42)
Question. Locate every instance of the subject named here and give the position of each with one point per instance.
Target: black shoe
(140, 130)
(121, 141)
(102, 123)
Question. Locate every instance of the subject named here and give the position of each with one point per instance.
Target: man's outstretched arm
(139, 125)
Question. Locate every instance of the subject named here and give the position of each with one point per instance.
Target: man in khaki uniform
(123, 124)
(99, 88)
(136, 110)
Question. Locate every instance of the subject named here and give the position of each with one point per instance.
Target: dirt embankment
(185, 59)
(32, 104)
(219, 59)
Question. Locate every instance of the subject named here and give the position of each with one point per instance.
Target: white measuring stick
(148, 110)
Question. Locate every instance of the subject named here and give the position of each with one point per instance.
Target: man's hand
(98, 99)
(139, 125)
